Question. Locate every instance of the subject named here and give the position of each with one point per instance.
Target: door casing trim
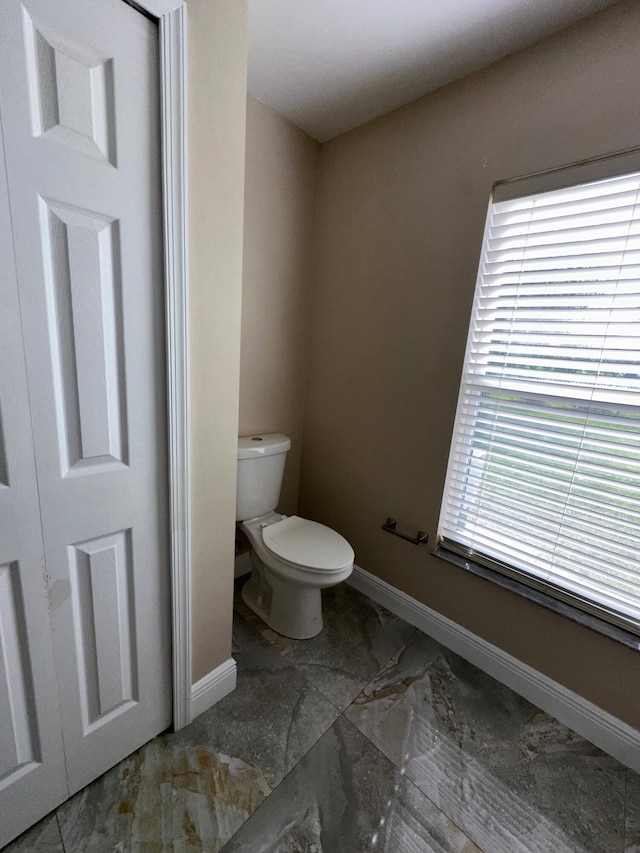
(172, 20)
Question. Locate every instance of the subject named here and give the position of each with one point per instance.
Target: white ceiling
(331, 65)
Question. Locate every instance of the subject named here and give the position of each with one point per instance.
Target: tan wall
(401, 217)
(217, 93)
(280, 194)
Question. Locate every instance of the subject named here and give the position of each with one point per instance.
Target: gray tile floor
(370, 737)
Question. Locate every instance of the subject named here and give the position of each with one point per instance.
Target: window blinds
(544, 471)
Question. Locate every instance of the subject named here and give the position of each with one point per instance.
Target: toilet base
(293, 611)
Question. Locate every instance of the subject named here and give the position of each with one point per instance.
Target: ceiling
(331, 65)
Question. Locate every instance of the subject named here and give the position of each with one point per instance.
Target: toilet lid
(308, 544)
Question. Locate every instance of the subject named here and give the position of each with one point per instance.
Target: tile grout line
(624, 811)
(341, 715)
(289, 662)
(64, 846)
(297, 667)
(420, 793)
(345, 719)
(341, 711)
(275, 788)
(424, 795)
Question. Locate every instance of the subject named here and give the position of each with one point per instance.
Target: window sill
(613, 632)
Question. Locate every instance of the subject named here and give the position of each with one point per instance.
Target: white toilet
(293, 559)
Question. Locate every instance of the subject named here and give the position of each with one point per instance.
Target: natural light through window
(544, 472)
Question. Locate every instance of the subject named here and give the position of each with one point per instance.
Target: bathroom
(355, 307)
(331, 287)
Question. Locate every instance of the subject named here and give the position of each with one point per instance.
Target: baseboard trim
(596, 725)
(214, 686)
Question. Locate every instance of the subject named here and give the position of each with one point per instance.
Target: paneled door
(32, 769)
(84, 578)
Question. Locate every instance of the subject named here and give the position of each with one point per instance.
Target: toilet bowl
(292, 558)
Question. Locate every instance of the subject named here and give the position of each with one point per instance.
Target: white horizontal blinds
(544, 471)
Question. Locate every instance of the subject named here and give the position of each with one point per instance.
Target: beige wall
(217, 92)
(280, 194)
(401, 216)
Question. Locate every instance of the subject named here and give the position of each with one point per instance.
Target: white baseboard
(596, 725)
(213, 687)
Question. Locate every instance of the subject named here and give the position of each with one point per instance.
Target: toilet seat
(306, 544)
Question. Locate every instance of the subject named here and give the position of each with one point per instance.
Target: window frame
(514, 579)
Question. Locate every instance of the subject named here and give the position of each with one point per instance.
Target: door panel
(32, 770)
(102, 584)
(71, 90)
(81, 256)
(18, 746)
(82, 147)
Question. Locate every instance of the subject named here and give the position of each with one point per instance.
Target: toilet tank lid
(252, 446)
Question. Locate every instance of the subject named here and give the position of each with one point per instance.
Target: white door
(79, 97)
(32, 767)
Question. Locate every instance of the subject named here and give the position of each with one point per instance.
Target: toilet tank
(260, 468)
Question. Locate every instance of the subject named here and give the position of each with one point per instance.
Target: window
(543, 482)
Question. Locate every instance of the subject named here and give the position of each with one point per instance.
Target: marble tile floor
(370, 737)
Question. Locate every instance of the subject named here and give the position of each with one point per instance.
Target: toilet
(292, 558)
